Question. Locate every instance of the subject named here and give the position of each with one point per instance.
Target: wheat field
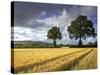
(53, 59)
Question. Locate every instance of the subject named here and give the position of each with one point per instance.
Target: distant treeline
(31, 44)
(90, 44)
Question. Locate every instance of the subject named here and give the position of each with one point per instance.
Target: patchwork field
(53, 59)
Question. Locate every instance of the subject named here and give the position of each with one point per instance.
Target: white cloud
(43, 13)
(62, 21)
(21, 34)
(55, 20)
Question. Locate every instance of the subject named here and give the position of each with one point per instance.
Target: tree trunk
(54, 42)
(80, 42)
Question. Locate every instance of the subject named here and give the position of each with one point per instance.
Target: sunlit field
(53, 59)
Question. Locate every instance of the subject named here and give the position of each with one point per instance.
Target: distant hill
(30, 44)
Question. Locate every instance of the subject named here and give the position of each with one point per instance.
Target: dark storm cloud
(25, 11)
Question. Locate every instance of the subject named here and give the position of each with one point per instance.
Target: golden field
(53, 59)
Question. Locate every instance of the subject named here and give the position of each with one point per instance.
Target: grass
(52, 59)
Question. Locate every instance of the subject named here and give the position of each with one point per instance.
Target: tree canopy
(81, 28)
(54, 33)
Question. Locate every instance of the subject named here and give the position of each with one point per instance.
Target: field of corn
(53, 59)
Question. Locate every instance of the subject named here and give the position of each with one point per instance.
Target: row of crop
(59, 63)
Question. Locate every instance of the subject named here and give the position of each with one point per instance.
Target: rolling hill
(29, 44)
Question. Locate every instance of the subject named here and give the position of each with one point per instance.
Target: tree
(54, 33)
(81, 28)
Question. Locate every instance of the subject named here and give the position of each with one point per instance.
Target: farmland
(53, 59)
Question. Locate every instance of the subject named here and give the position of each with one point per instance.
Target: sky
(33, 20)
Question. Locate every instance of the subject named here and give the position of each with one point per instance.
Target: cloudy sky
(33, 20)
